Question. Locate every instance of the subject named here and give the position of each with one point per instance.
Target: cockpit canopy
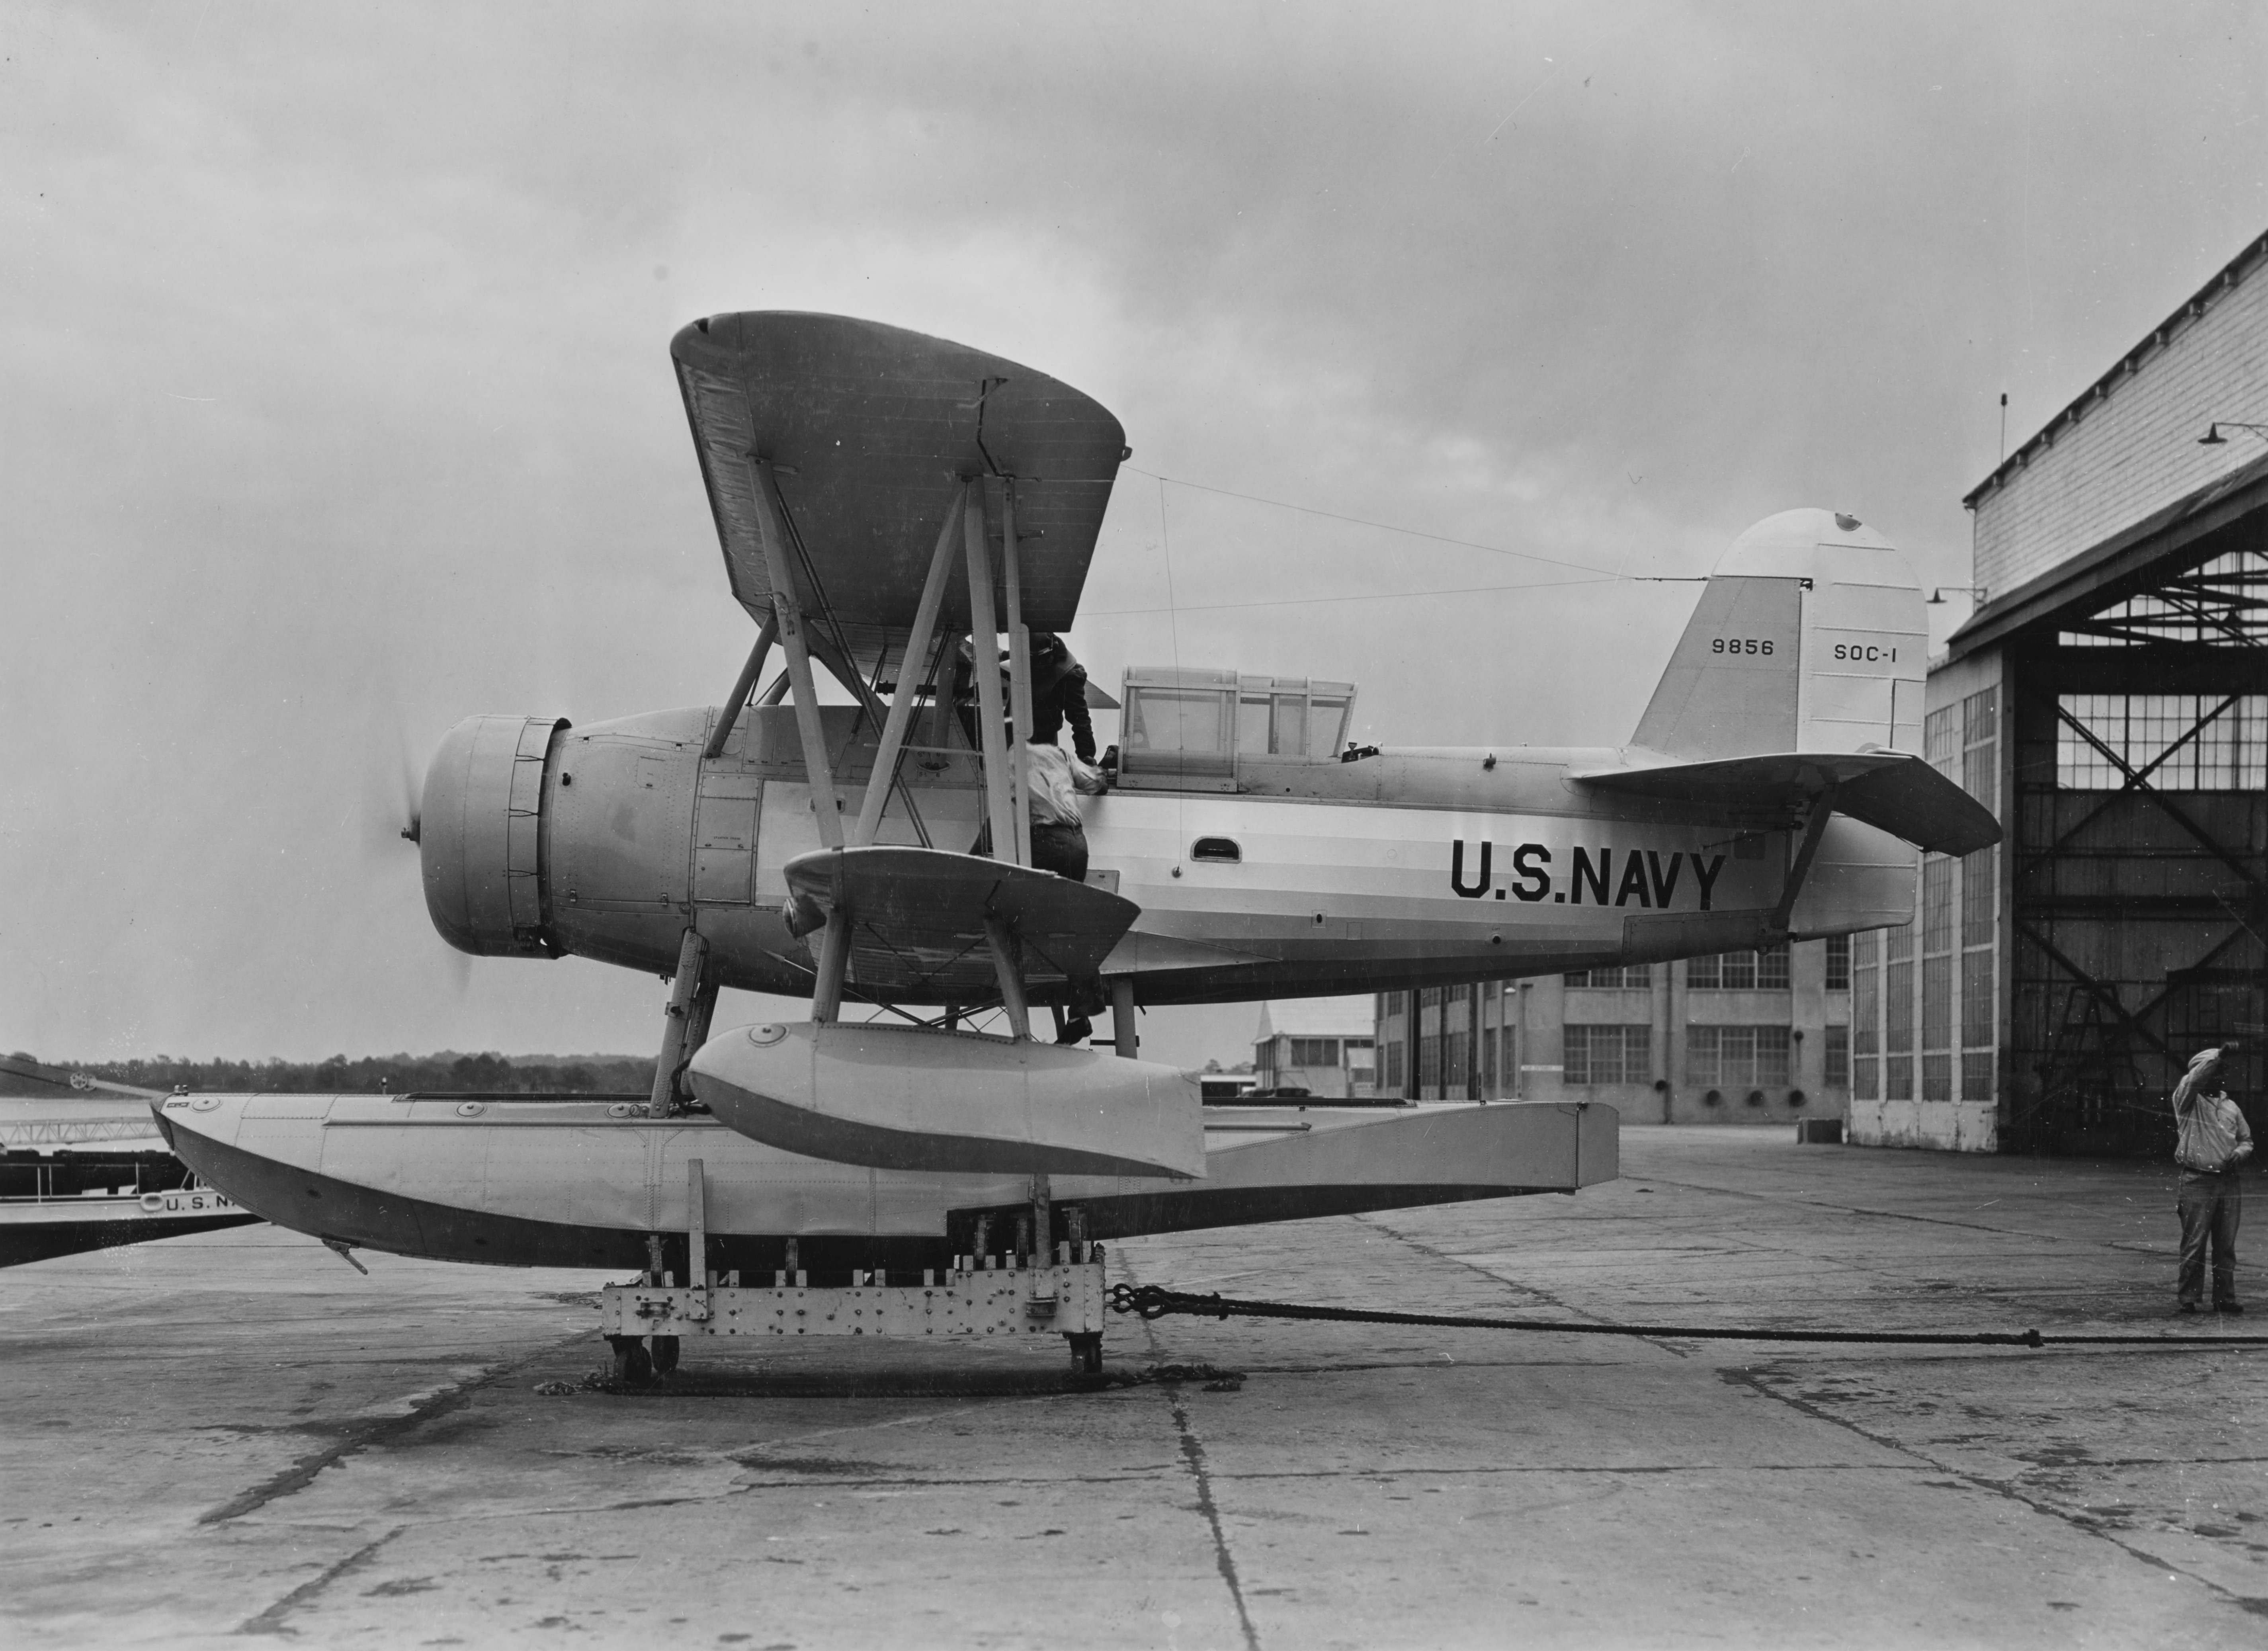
(1186, 729)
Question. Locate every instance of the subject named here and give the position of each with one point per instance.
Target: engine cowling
(480, 835)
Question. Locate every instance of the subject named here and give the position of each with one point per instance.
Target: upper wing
(1894, 790)
(871, 429)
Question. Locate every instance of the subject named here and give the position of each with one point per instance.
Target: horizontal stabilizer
(900, 1097)
(917, 919)
(1895, 791)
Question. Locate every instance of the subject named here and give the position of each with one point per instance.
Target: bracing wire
(1416, 533)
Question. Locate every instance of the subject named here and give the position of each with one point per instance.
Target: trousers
(2211, 1203)
(1060, 849)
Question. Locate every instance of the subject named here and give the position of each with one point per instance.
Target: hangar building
(2108, 700)
(1739, 1037)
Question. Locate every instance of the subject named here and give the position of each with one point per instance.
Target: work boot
(1077, 1029)
(2185, 1307)
(2227, 1306)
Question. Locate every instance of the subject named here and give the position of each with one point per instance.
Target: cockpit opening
(1188, 729)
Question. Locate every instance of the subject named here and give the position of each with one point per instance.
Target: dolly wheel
(1085, 1350)
(633, 1363)
(665, 1355)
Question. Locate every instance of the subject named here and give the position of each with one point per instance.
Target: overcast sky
(335, 404)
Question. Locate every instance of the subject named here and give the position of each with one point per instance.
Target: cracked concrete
(234, 1436)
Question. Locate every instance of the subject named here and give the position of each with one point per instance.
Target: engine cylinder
(481, 836)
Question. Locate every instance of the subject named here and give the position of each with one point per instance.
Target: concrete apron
(237, 1432)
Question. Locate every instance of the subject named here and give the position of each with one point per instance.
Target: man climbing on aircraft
(1059, 694)
(2213, 1140)
(1053, 779)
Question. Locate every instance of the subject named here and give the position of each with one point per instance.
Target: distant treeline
(568, 1074)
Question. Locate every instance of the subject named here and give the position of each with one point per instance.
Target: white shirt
(2212, 1131)
(1053, 779)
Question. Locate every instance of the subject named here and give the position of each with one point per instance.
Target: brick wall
(2129, 447)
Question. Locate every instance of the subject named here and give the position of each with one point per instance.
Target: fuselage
(1313, 875)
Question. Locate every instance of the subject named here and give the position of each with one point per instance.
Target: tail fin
(1809, 637)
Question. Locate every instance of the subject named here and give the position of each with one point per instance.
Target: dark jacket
(1059, 696)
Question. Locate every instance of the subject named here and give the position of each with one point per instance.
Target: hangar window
(2212, 606)
(1736, 1057)
(1607, 1054)
(1980, 746)
(1835, 1068)
(1629, 974)
(1866, 1018)
(2174, 741)
(1739, 971)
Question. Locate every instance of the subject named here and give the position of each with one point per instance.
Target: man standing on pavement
(2213, 1140)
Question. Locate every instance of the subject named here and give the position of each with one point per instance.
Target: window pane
(1701, 971)
(1252, 725)
(1864, 949)
(1978, 1010)
(1771, 965)
(1937, 1003)
(1898, 1085)
(1977, 1076)
(1937, 1077)
(1739, 970)
(1772, 1057)
(1838, 962)
(1940, 739)
(1290, 738)
(1936, 904)
(1176, 720)
(1865, 1079)
(1979, 897)
(1898, 943)
(1329, 725)
(1701, 1057)
(1866, 1011)
(1980, 761)
(1897, 1009)
(1835, 1067)
(2176, 742)
(1608, 1054)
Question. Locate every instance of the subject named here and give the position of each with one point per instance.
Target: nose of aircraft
(478, 823)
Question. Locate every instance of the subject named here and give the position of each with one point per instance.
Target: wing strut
(1007, 962)
(684, 1024)
(1019, 669)
(787, 613)
(902, 702)
(984, 642)
(1822, 809)
(743, 685)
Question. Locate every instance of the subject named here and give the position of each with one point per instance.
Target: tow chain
(1154, 1302)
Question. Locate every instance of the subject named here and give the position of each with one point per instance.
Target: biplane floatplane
(890, 504)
